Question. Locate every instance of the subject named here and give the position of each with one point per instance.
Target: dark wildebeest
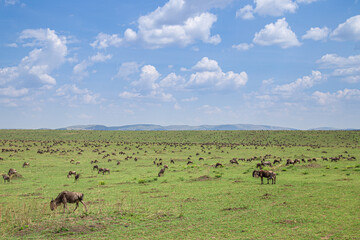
(189, 162)
(201, 158)
(267, 174)
(297, 161)
(276, 161)
(6, 178)
(118, 163)
(172, 161)
(104, 170)
(289, 161)
(218, 165)
(26, 164)
(72, 161)
(71, 173)
(67, 197)
(11, 171)
(234, 161)
(162, 171)
(77, 176)
(266, 164)
(96, 167)
(77, 163)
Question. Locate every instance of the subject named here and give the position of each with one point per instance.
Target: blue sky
(290, 63)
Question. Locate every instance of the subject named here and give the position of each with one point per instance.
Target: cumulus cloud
(178, 22)
(274, 8)
(347, 31)
(346, 67)
(34, 70)
(210, 75)
(300, 83)
(12, 92)
(278, 33)
(317, 34)
(325, 98)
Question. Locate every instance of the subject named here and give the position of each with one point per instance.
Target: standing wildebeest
(266, 163)
(104, 170)
(6, 178)
(276, 161)
(267, 174)
(172, 161)
(11, 171)
(189, 162)
(289, 161)
(67, 197)
(162, 171)
(26, 164)
(71, 173)
(96, 167)
(77, 176)
(234, 161)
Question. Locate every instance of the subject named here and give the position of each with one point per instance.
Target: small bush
(140, 181)
(102, 183)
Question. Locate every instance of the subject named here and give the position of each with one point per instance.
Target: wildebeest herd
(264, 168)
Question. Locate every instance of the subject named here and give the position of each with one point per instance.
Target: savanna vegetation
(200, 195)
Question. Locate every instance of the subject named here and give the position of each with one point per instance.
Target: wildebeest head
(52, 205)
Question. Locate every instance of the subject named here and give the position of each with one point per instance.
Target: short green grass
(312, 200)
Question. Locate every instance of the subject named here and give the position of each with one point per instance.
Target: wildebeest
(6, 178)
(118, 163)
(67, 197)
(77, 176)
(289, 161)
(172, 161)
(26, 164)
(162, 171)
(266, 164)
(71, 173)
(234, 161)
(77, 163)
(96, 167)
(218, 165)
(104, 170)
(267, 174)
(11, 171)
(276, 161)
(189, 162)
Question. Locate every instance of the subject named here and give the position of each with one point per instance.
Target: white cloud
(80, 69)
(11, 2)
(74, 95)
(12, 92)
(206, 64)
(347, 31)
(278, 33)
(192, 99)
(104, 40)
(317, 34)
(274, 8)
(325, 98)
(300, 83)
(243, 46)
(210, 75)
(208, 109)
(34, 69)
(172, 81)
(178, 22)
(333, 60)
(246, 12)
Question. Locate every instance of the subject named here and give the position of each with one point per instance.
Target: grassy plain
(312, 200)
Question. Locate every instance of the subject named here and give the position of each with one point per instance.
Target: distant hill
(154, 127)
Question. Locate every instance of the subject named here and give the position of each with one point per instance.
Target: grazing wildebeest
(259, 165)
(77, 176)
(71, 173)
(189, 162)
(276, 161)
(201, 158)
(234, 161)
(172, 161)
(266, 164)
(67, 197)
(218, 165)
(11, 171)
(118, 163)
(104, 170)
(26, 164)
(6, 178)
(267, 174)
(72, 161)
(296, 161)
(162, 171)
(96, 167)
(289, 161)
(77, 163)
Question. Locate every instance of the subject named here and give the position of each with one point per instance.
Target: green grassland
(311, 200)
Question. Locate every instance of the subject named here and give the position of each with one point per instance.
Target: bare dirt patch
(203, 178)
(311, 165)
(235, 209)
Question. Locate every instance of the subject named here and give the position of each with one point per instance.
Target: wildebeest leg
(77, 204)
(262, 180)
(268, 180)
(84, 205)
(65, 203)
